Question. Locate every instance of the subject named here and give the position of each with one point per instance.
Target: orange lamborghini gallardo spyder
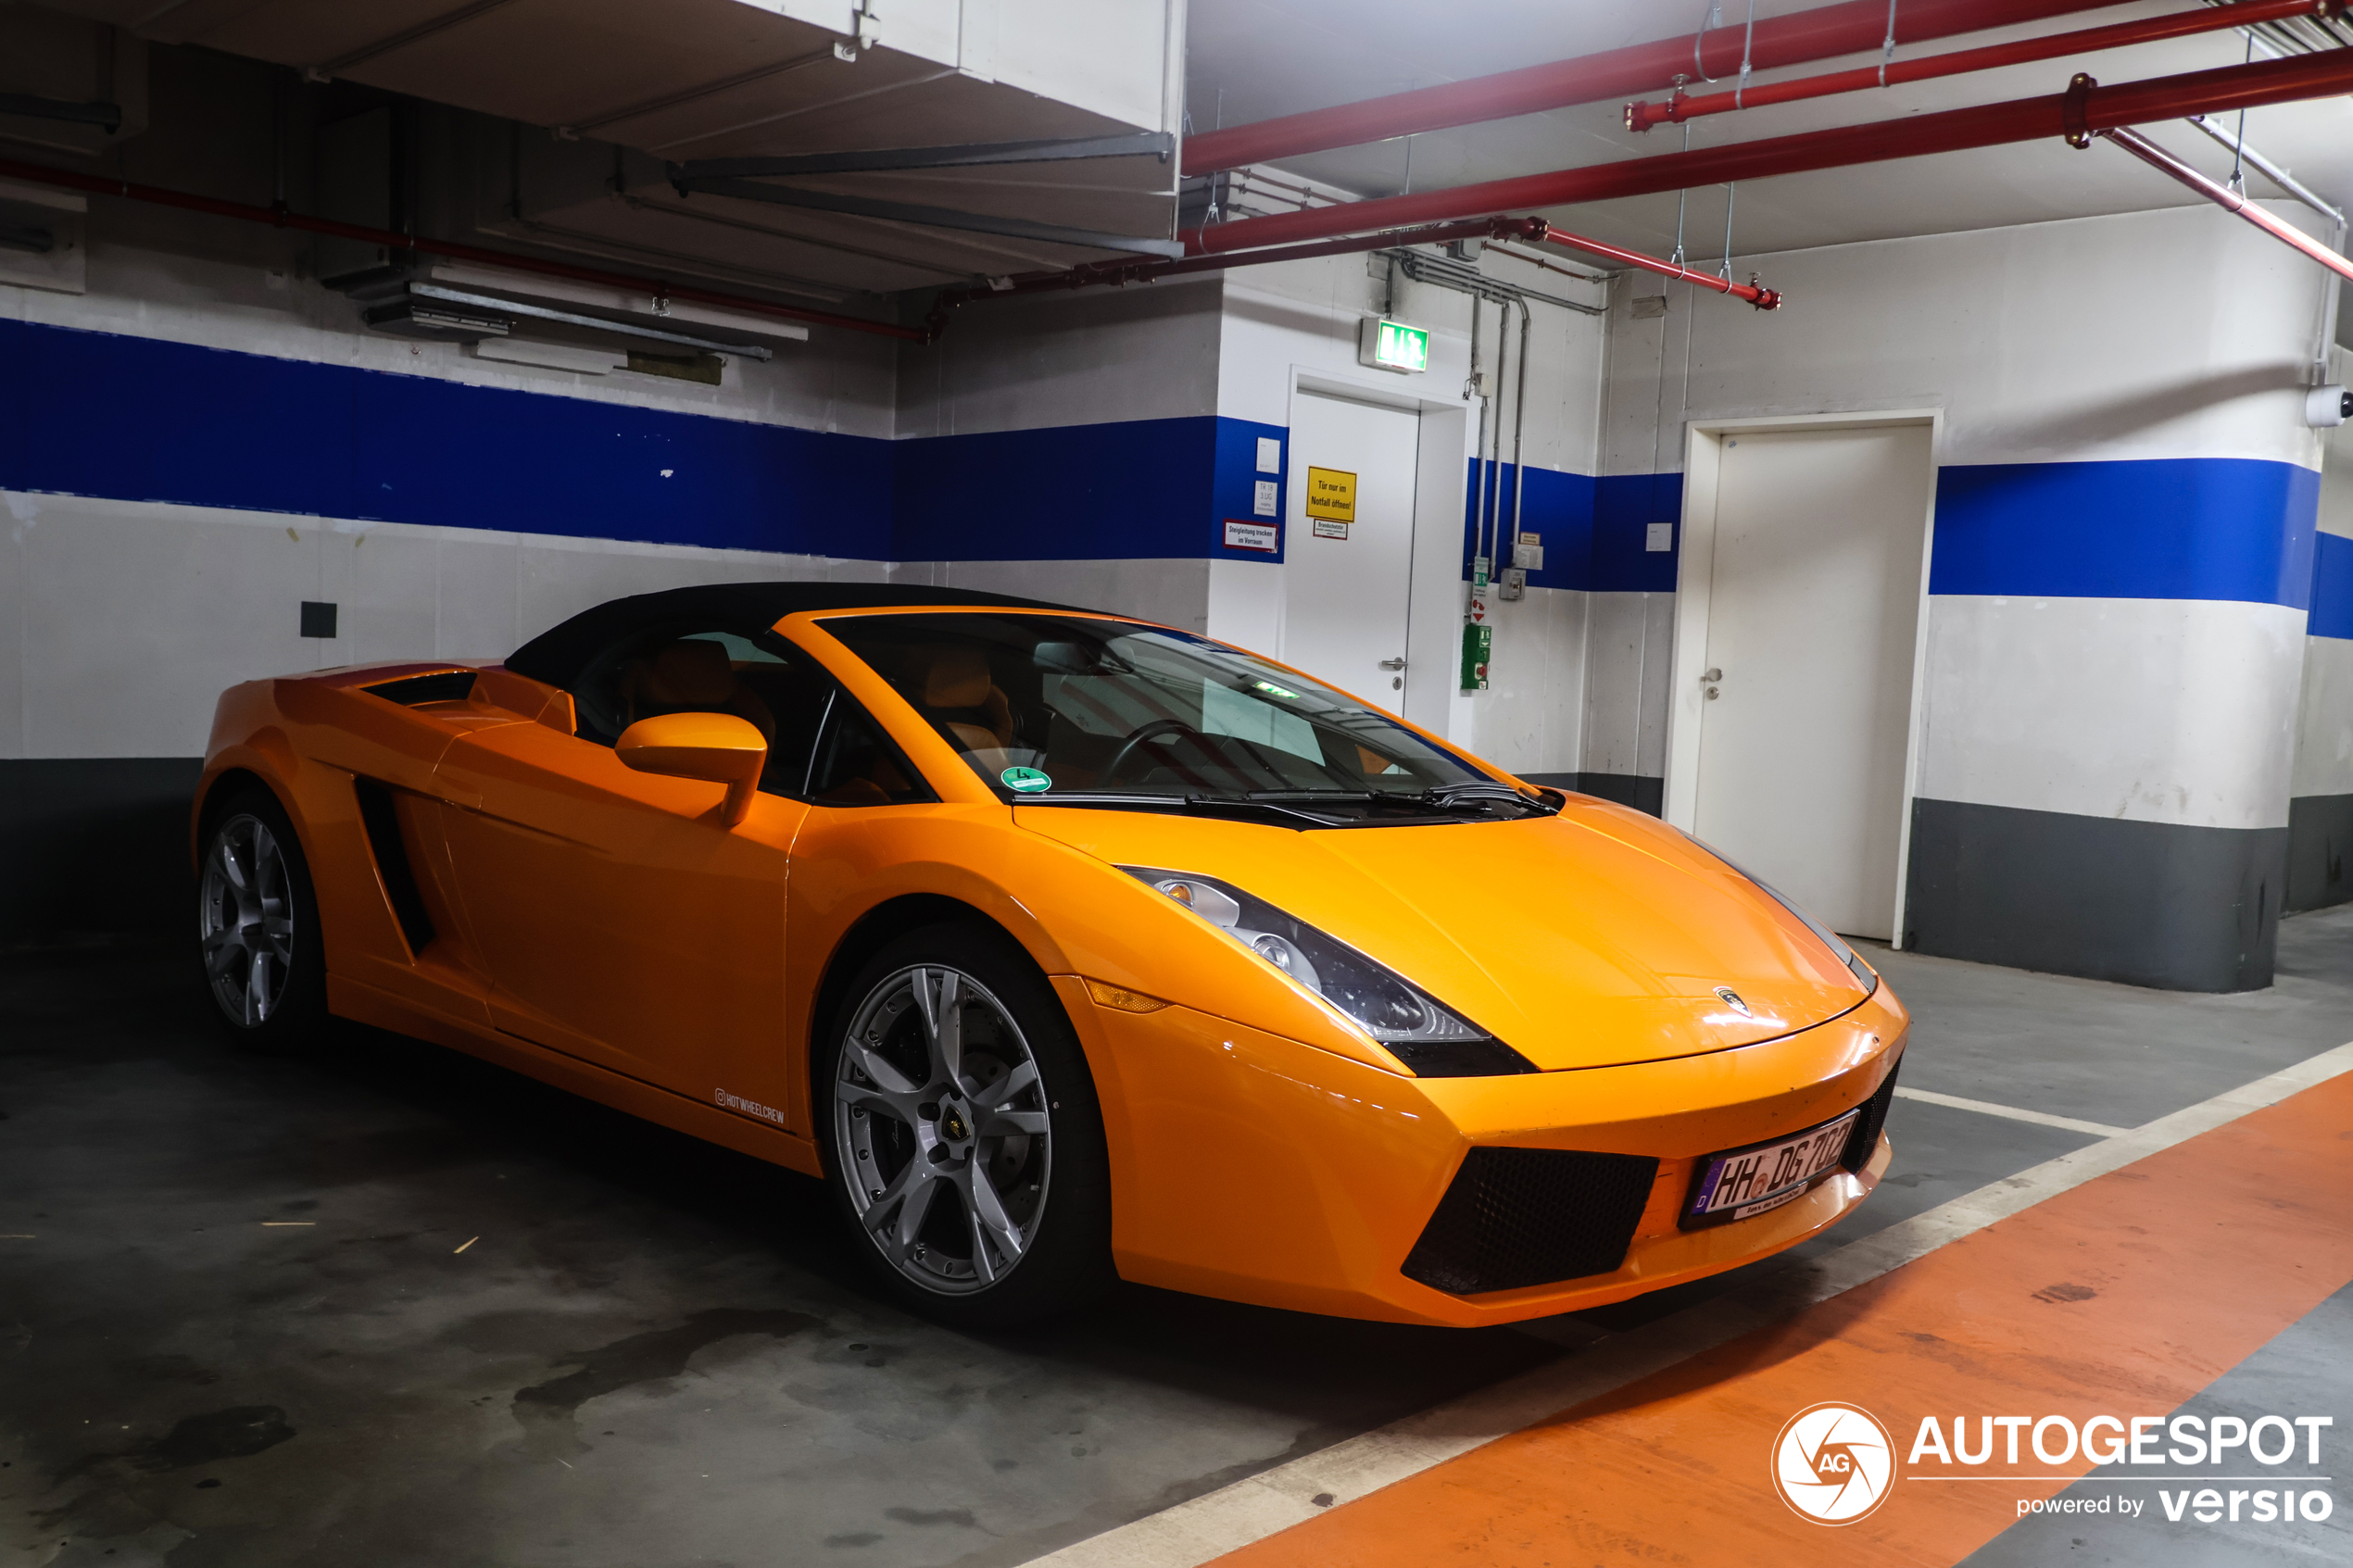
(1063, 947)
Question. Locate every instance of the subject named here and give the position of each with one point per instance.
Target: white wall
(120, 620)
(1295, 319)
(837, 381)
(125, 619)
(2324, 724)
(2178, 333)
(1089, 356)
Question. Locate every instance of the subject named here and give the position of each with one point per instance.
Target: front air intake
(1515, 1217)
(1864, 1140)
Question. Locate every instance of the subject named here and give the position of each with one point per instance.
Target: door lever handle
(1713, 675)
(1392, 664)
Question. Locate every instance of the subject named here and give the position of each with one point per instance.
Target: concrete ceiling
(709, 79)
(1253, 59)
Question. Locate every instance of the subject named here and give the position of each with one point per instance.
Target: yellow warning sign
(1331, 493)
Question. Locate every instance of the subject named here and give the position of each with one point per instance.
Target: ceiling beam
(1146, 143)
(928, 216)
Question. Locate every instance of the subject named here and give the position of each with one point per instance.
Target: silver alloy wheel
(246, 920)
(943, 1129)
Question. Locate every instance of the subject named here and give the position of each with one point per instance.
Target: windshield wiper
(1466, 794)
(1494, 790)
(1446, 803)
(1235, 805)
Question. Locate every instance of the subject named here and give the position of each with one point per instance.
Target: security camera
(2327, 406)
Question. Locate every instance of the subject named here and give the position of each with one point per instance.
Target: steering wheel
(1137, 737)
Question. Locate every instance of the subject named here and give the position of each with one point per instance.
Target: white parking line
(1252, 1509)
(1987, 1108)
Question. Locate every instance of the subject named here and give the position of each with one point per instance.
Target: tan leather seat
(954, 687)
(692, 675)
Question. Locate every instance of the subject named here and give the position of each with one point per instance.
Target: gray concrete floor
(236, 1328)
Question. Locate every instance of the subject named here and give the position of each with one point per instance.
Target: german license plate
(1745, 1182)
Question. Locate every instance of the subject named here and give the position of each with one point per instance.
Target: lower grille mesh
(1865, 1137)
(1515, 1217)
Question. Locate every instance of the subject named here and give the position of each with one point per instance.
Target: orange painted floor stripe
(2193, 1259)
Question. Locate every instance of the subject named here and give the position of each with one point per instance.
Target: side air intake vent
(447, 685)
(1516, 1217)
(378, 814)
(1865, 1137)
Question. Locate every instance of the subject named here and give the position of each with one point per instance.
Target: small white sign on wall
(1266, 537)
(1270, 455)
(1268, 501)
(1659, 536)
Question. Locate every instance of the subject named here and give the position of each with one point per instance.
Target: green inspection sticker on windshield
(1026, 781)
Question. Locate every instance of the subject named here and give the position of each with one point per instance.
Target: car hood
(1594, 938)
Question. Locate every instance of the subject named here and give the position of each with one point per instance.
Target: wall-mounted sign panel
(1393, 345)
(1331, 493)
(1265, 537)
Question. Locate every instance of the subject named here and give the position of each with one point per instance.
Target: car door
(621, 921)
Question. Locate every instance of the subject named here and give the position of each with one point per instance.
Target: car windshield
(1051, 706)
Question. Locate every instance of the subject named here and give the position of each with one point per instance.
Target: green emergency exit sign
(1393, 345)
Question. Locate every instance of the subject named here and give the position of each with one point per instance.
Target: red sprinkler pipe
(2222, 196)
(1528, 230)
(278, 217)
(2210, 18)
(1819, 34)
(1763, 298)
(2078, 112)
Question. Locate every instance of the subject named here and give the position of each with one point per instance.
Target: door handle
(1392, 664)
(1713, 675)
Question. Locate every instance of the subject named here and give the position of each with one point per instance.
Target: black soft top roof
(557, 655)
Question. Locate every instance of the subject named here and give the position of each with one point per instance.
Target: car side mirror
(716, 746)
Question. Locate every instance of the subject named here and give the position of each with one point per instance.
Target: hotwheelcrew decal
(748, 1107)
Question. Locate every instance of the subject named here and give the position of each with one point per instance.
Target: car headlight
(1863, 973)
(1414, 1026)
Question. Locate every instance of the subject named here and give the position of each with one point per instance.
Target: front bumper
(1250, 1167)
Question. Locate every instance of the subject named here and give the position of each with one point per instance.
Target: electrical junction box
(1385, 345)
(1515, 583)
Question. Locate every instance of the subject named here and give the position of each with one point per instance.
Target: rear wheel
(257, 924)
(963, 1128)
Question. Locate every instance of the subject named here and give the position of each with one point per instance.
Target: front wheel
(962, 1129)
(257, 924)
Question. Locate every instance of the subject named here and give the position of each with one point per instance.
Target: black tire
(1035, 1143)
(259, 949)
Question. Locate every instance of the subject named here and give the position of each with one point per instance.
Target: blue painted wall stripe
(142, 418)
(2332, 587)
(1595, 532)
(2173, 528)
(1127, 490)
(145, 420)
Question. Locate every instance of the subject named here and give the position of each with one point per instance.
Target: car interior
(793, 703)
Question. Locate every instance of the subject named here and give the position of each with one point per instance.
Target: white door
(1344, 589)
(1812, 603)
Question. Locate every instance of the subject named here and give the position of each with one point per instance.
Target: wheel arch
(218, 786)
(868, 935)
